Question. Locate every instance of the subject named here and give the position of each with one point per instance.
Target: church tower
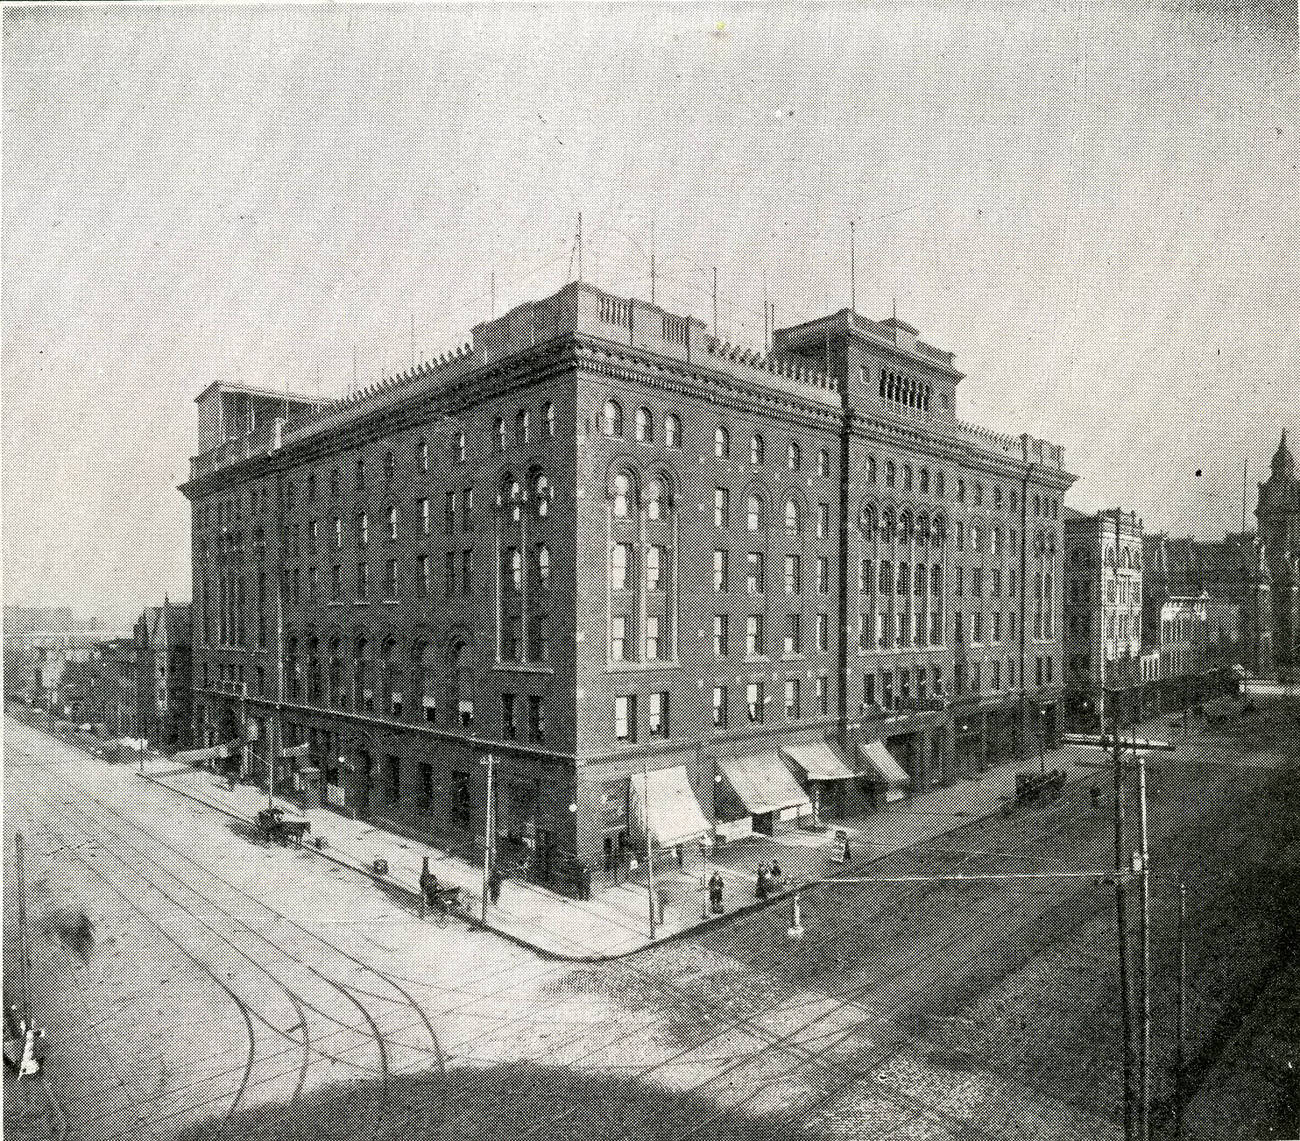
(1278, 517)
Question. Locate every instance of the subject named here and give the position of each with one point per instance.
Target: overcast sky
(1094, 206)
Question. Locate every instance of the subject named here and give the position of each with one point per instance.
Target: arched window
(542, 494)
(672, 431)
(622, 494)
(793, 523)
(867, 521)
(979, 495)
(940, 530)
(644, 427)
(543, 563)
(458, 445)
(997, 498)
(907, 477)
(923, 528)
(961, 491)
(521, 427)
(612, 421)
(889, 473)
(938, 484)
(657, 499)
(794, 456)
(823, 463)
(871, 470)
(499, 433)
(757, 450)
(887, 525)
(905, 525)
(754, 511)
(923, 480)
(721, 442)
(548, 416)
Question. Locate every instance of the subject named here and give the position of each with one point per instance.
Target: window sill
(524, 667)
(643, 667)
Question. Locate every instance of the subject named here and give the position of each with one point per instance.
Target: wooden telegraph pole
(1122, 868)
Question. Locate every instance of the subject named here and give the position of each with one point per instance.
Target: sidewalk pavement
(615, 921)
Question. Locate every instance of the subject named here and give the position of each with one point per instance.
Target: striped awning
(820, 761)
(881, 763)
(764, 783)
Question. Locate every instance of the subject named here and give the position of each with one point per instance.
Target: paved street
(219, 974)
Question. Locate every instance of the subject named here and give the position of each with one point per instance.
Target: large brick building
(663, 582)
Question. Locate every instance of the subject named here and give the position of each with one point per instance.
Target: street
(213, 975)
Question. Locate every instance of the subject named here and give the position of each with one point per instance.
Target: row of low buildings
(1168, 612)
(135, 685)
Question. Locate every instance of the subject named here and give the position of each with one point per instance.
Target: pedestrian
(431, 886)
(1095, 793)
(761, 883)
(775, 871)
(584, 882)
(715, 893)
(848, 853)
(494, 884)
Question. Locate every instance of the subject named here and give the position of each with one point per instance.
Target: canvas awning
(820, 761)
(881, 764)
(202, 756)
(764, 783)
(674, 815)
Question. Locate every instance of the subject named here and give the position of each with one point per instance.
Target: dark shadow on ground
(523, 1100)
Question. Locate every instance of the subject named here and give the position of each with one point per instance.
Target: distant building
(1278, 515)
(165, 696)
(1103, 610)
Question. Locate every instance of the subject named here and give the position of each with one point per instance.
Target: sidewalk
(615, 921)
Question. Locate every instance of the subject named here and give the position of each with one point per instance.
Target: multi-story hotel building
(662, 583)
(1103, 609)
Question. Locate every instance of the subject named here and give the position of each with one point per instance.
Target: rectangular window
(449, 577)
(430, 710)
(823, 575)
(621, 566)
(823, 633)
(536, 720)
(823, 696)
(450, 520)
(618, 638)
(881, 630)
(997, 629)
(465, 709)
(866, 577)
(336, 583)
(755, 702)
(756, 576)
(869, 689)
(720, 575)
(362, 577)
(508, 716)
(338, 533)
(392, 523)
(460, 802)
(658, 720)
(466, 510)
(720, 640)
(392, 780)
(363, 530)
(467, 572)
(721, 507)
(823, 520)
(625, 717)
(422, 575)
(652, 627)
(977, 582)
(936, 680)
(754, 635)
(654, 557)
(794, 634)
(390, 584)
(792, 698)
(720, 706)
(792, 575)
(424, 516)
(960, 588)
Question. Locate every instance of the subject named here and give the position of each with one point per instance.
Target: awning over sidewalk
(881, 764)
(763, 783)
(674, 815)
(202, 756)
(820, 761)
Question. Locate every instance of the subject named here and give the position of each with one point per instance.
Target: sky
(1094, 205)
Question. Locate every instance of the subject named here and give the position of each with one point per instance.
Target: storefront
(887, 775)
(664, 809)
(836, 786)
(760, 794)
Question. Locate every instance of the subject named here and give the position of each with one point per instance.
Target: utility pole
(649, 846)
(853, 269)
(487, 834)
(579, 245)
(1144, 1029)
(1122, 867)
(277, 740)
(715, 301)
(1180, 1061)
(24, 997)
